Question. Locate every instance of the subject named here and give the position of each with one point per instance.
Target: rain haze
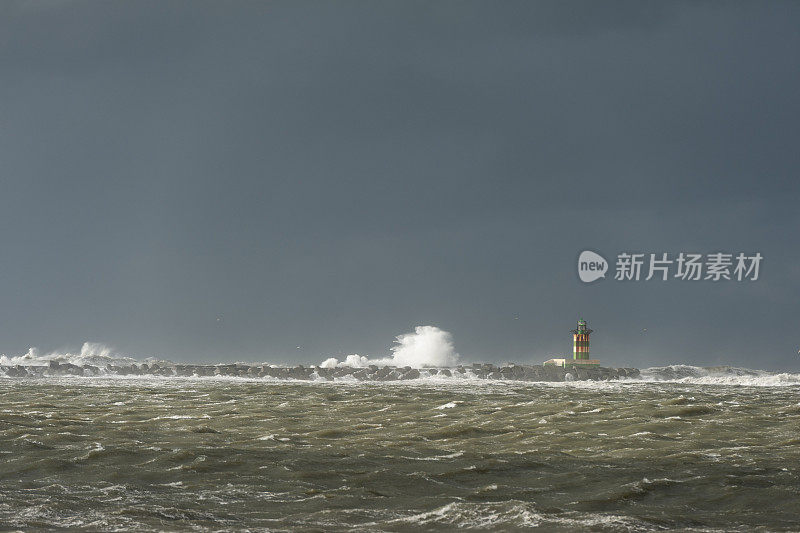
(292, 181)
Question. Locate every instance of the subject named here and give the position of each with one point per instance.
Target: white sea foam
(353, 360)
(453, 455)
(722, 375)
(272, 436)
(514, 514)
(427, 346)
(91, 353)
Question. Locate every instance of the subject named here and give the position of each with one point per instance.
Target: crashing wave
(91, 353)
(426, 347)
(718, 375)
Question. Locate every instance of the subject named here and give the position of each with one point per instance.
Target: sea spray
(354, 360)
(91, 353)
(427, 346)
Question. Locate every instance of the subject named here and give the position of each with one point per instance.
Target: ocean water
(702, 452)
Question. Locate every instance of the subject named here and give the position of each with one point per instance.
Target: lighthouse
(580, 341)
(580, 349)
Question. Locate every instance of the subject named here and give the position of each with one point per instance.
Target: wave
(515, 514)
(717, 375)
(91, 353)
(427, 346)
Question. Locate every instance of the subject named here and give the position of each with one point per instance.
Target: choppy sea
(703, 453)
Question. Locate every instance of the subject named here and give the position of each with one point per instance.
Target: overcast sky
(288, 181)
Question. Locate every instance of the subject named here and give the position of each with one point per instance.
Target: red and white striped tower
(580, 336)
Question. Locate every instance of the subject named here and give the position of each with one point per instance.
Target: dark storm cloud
(328, 175)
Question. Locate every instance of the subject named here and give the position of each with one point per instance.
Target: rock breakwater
(510, 372)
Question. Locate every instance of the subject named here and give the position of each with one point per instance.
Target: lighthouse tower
(580, 350)
(580, 341)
